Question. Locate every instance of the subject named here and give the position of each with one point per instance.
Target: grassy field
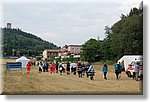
(46, 83)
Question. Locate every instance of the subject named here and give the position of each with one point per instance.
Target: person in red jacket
(52, 68)
(28, 68)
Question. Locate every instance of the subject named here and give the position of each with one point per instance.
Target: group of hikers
(117, 70)
(76, 68)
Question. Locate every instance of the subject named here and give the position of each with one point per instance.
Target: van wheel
(128, 74)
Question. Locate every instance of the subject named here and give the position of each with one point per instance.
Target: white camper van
(128, 62)
(131, 68)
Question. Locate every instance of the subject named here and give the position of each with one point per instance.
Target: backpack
(118, 67)
(91, 69)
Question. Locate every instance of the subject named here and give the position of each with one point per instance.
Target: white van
(131, 69)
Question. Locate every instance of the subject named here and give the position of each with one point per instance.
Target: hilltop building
(9, 26)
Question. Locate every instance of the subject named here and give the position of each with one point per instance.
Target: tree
(134, 11)
(89, 50)
(127, 35)
(122, 16)
(108, 31)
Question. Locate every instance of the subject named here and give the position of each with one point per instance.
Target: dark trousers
(80, 74)
(40, 70)
(61, 72)
(105, 73)
(44, 69)
(74, 71)
(56, 69)
(117, 73)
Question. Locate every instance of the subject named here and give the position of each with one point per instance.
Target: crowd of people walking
(69, 68)
(82, 69)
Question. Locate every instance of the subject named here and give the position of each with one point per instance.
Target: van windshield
(140, 63)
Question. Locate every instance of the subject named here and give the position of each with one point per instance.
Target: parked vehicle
(128, 64)
(131, 69)
(128, 59)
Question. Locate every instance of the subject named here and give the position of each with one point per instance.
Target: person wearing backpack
(120, 70)
(117, 70)
(105, 70)
(91, 71)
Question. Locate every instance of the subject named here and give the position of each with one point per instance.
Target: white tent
(23, 60)
(127, 59)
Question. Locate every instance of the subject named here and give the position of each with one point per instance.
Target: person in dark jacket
(40, 67)
(57, 64)
(44, 67)
(47, 65)
(105, 70)
(61, 67)
(80, 70)
(83, 69)
(68, 68)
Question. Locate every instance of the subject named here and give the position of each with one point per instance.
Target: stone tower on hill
(9, 26)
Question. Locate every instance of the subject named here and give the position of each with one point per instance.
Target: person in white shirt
(136, 70)
(91, 72)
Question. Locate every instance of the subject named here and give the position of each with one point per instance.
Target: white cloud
(74, 20)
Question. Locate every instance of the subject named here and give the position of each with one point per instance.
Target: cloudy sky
(65, 21)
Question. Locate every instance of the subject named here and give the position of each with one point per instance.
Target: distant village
(64, 52)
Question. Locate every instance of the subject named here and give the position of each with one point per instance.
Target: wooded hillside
(17, 43)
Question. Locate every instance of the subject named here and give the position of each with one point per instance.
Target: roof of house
(52, 50)
(74, 45)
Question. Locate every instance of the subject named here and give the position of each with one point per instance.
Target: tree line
(125, 37)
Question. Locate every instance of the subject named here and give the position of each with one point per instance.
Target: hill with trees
(125, 37)
(17, 42)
